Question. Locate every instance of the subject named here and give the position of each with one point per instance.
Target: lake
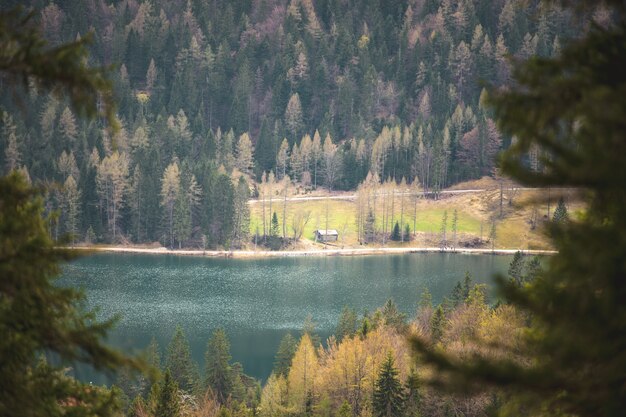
(257, 301)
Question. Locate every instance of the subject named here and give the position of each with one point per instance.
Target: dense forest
(216, 96)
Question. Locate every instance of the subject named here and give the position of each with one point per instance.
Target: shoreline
(251, 254)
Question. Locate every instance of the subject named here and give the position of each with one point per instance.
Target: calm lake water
(257, 301)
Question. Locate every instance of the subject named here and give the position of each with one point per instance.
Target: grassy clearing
(476, 212)
(342, 217)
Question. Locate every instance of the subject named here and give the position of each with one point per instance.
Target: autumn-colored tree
(302, 374)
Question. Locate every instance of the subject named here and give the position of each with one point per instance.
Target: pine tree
(560, 213)
(168, 404)
(219, 374)
(284, 355)
(413, 395)
(395, 233)
(346, 327)
(274, 228)
(516, 268)
(182, 218)
(388, 398)
(179, 362)
(58, 325)
(437, 324)
(345, 410)
(241, 216)
(570, 106)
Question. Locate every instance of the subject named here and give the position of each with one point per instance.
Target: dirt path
(353, 196)
(311, 252)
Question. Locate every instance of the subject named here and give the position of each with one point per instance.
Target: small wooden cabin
(329, 235)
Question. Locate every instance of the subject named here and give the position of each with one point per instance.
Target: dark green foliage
(388, 399)
(572, 108)
(533, 269)
(560, 213)
(407, 233)
(345, 410)
(457, 297)
(168, 404)
(346, 327)
(38, 316)
(516, 268)
(392, 317)
(413, 396)
(179, 363)
(395, 233)
(219, 375)
(370, 227)
(426, 299)
(467, 284)
(274, 227)
(225, 69)
(437, 324)
(62, 70)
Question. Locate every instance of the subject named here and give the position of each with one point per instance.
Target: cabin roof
(327, 232)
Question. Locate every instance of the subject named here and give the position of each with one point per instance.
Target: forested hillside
(213, 94)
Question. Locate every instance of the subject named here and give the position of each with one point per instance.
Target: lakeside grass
(428, 222)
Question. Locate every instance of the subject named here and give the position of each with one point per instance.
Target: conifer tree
(560, 213)
(571, 107)
(219, 374)
(437, 324)
(395, 233)
(179, 362)
(284, 355)
(388, 398)
(274, 227)
(168, 404)
(38, 316)
(516, 268)
(346, 327)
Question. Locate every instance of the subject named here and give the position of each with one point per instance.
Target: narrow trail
(353, 196)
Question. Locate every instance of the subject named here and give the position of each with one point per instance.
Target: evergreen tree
(533, 269)
(168, 404)
(388, 398)
(413, 396)
(437, 324)
(570, 106)
(560, 214)
(179, 362)
(392, 317)
(346, 327)
(395, 234)
(219, 374)
(516, 268)
(458, 296)
(284, 355)
(37, 316)
(274, 228)
(345, 410)
(467, 284)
